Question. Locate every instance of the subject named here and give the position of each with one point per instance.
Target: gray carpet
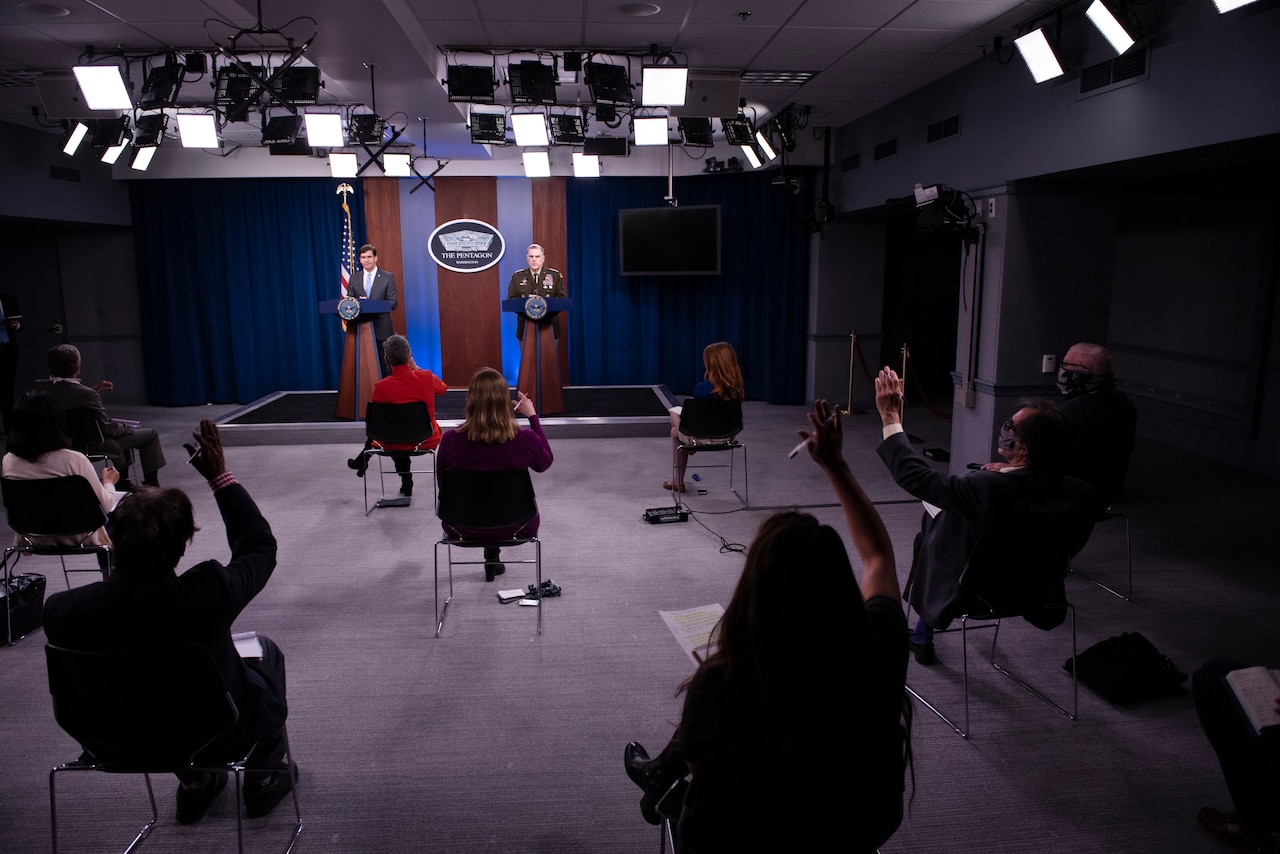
(494, 739)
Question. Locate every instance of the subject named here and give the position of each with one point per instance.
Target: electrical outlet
(1048, 364)
(991, 208)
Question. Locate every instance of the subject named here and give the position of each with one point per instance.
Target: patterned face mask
(1072, 382)
(1007, 437)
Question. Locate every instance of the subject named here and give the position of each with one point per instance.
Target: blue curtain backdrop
(230, 273)
(644, 329)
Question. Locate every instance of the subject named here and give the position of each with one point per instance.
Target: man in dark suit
(118, 439)
(145, 603)
(370, 282)
(1105, 420)
(1035, 443)
(10, 323)
(536, 279)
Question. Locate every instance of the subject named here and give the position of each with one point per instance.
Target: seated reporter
(407, 384)
(146, 603)
(722, 381)
(40, 448)
(1036, 444)
(807, 658)
(489, 439)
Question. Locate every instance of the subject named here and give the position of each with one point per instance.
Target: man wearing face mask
(1029, 484)
(1105, 420)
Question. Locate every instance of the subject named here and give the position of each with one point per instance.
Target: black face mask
(1073, 383)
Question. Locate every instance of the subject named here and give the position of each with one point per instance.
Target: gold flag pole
(853, 349)
(915, 440)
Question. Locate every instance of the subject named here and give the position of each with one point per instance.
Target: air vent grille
(1128, 68)
(886, 149)
(949, 126)
(853, 161)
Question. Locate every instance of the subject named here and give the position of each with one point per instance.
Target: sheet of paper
(247, 644)
(692, 628)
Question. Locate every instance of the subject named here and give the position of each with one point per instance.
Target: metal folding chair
(1109, 515)
(713, 425)
(55, 507)
(397, 430)
(145, 712)
(485, 500)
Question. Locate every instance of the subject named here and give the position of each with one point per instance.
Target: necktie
(368, 282)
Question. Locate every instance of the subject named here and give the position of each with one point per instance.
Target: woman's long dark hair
(39, 426)
(796, 615)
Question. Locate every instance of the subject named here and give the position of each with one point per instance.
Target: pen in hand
(798, 448)
(194, 454)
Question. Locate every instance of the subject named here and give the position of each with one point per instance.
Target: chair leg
(746, 480)
(441, 614)
(537, 555)
(1075, 696)
(1128, 550)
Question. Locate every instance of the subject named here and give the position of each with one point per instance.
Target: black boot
(655, 776)
(492, 567)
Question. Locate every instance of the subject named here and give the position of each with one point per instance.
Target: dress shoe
(358, 464)
(923, 651)
(195, 799)
(655, 776)
(678, 487)
(406, 487)
(125, 485)
(262, 794)
(492, 570)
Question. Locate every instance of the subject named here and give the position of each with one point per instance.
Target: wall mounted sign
(466, 245)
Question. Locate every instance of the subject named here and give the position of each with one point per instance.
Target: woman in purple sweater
(490, 440)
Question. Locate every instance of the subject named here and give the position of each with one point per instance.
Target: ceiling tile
(839, 39)
(772, 13)
(844, 13)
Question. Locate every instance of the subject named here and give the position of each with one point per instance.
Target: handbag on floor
(1125, 669)
(22, 603)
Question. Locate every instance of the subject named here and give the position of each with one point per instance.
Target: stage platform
(307, 417)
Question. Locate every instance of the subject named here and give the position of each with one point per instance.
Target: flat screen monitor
(681, 241)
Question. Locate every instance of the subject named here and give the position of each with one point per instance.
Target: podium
(539, 363)
(360, 362)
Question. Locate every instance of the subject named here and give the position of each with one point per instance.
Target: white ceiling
(864, 53)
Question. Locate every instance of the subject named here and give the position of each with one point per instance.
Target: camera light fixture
(1041, 59)
(531, 82)
(103, 87)
(749, 151)
(342, 164)
(650, 130)
(488, 126)
(663, 85)
(471, 83)
(282, 130)
(567, 129)
(76, 136)
(148, 129)
(397, 164)
(198, 130)
(609, 84)
(108, 133)
(324, 130)
(112, 154)
(695, 130)
(142, 157)
(162, 84)
(530, 129)
(366, 128)
(737, 130)
(586, 165)
(1225, 6)
(763, 142)
(1106, 16)
(537, 164)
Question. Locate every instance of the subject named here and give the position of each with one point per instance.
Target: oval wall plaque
(466, 245)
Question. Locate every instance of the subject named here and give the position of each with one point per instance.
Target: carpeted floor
(492, 738)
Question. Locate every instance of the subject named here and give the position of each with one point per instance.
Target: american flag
(348, 248)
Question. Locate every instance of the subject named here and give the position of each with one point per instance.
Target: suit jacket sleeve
(391, 290)
(253, 546)
(964, 495)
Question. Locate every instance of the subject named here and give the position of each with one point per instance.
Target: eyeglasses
(1008, 425)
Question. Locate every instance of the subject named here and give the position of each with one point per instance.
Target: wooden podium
(360, 363)
(539, 363)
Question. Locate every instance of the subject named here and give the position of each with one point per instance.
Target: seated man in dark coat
(118, 438)
(1029, 489)
(144, 604)
(1105, 420)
